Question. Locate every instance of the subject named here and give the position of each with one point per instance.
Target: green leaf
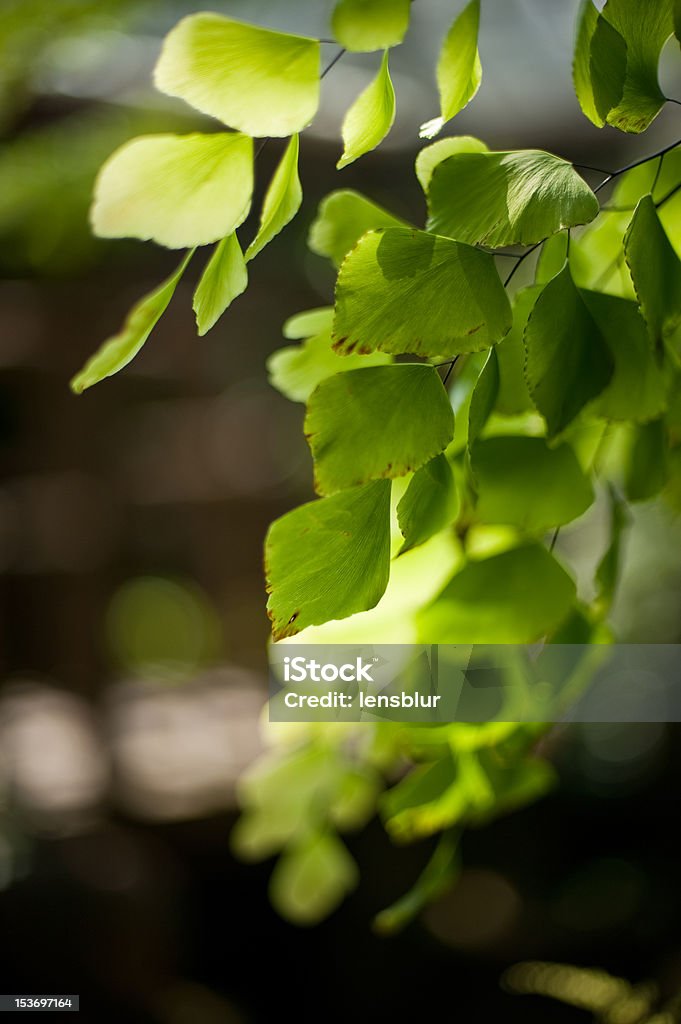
(118, 351)
(261, 82)
(343, 217)
(568, 359)
(430, 503)
(656, 271)
(512, 598)
(514, 397)
(402, 290)
(364, 25)
(459, 71)
(282, 200)
(427, 800)
(308, 323)
(382, 421)
(647, 467)
(484, 397)
(499, 199)
(439, 875)
(430, 156)
(552, 257)
(296, 371)
(311, 878)
(607, 573)
(224, 278)
(616, 62)
(522, 482)
(370, 117)
(178, 190)
(328, 559)
(638, 389)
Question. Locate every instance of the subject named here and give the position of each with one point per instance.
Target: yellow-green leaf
(224, 278)
(364, 25)
(282, 200)
(459, 71)
(370, 117)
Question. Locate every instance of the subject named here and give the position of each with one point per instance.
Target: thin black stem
(672, 192)
(452, 364)
(636, 163)
(521, 259)
(670, 99)
(556, 534)
(332, 64)
(588, 167)
(658, 172)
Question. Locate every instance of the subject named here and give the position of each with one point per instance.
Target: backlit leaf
(311, 878)
(500, 199)
(328, 559)
(282, 200)
(552, 257)
(224, 278)
(647, 468)
(514, 397)
(298, 369)
(568, 359)
(178, 190)
(363, 25)
(484, 397)
(258, 81)
(430, 156)
(522, 482)
(430, 503)
(370, 117)
(118, 351)
(343, 217)
(402, 290)
(514, 597)
(382, 421)
(459, 71)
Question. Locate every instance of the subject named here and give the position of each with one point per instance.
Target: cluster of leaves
(441, 491)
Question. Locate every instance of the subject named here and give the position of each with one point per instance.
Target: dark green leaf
(499, 199)
(512, 598)
(647, 468)
(552, 257)
(484, 397)
(382, 421)
(514, 398)
(568, 359)
(524, 483)
(656, 271)
(402, 290)
(328, 559)
(608, 570)
(430, 503)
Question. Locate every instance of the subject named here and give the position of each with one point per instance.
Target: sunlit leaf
(459, 71)
(224, 278)
(282, 200)
(178, 190)
(512, 598)
(343, 217)
(402, 290)
(329, 558)
(311, 878)
(552, 258)
(298, 369)
(656, 271)
(499, 199)
(568, 359)
(383, 421)
(430, 156)
(514, 397)
(118, 351)
(430, 503)
(258, 81)
(363, 25)
(370, 117)
(522, 482)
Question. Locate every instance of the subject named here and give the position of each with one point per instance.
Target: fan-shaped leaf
(363, 25)
(370, 117)
(430, 156)
(282, 200)
(343, 217)
(328, 559)
(655, 269)
(179, 190)
(502, 199)
(459, 71)
(382, 421)
(258, 81)
(118, 351)
(402, 290)
(430, 503)
(224, 278)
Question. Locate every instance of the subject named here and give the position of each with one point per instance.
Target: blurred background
(132, 623)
